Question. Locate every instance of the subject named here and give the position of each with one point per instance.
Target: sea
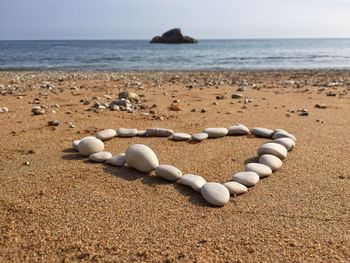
(130, 55)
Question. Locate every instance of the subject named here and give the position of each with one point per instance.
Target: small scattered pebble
(4, 110)
(53, 123)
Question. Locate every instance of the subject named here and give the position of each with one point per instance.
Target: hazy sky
(142, 19)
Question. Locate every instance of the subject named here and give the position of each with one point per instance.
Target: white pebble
(100, 157)
(246, 178)
(106, 134)
(215, 194)
(117, 160)
(179, 136)
(194, 181)
(279, 133)
(141, 158)
(236, 188)
(198, 137)
(216, 132)
(271, 161)
(275, 149)
(141, 133)
(261, 169)
(262, 132)
(90, 145)
(238, 129)
(286, 142)
(75, 143)
(168, 172)
(124, 132)
(4, 110)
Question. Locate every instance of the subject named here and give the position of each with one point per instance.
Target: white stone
(279, 133)
(235, 188)
(275, 149)
(117, 160)
(141, 158)
(106, 134)
(159, 132)
(75, 143)
(215, 194)
(4, 110)
(262, 132)
(90, 145)
(216, 132)
(100, 157)
(246, 178)
(141, 133)
(261, 169)
(198, 137)
(238, 129)
(179, 136)
(286, 142)
(271, 161)
(124, 132)
(168, 172)
(194, 181)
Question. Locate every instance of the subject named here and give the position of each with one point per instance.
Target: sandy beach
(56, 206)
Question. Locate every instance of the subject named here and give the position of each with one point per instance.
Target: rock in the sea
(262, 132)
(159, 132)
(4, 110)
(275, 149)
(198, 137)
(124, 132)
(246, 178)
(238, 129)
(235, 188)
(173, 36)
(271, 161)
(90, 145)
(286, 142)
(117, 160)
(106, 134)
(100, 157)
(279, 133)
(168, 172)
(261, 169)
(216, 132)
(179, 136)
(215, 194)
(194, 181)
(141, 158)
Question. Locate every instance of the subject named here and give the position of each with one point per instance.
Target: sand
(63, 208)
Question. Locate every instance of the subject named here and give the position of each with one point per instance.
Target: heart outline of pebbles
(142, 158)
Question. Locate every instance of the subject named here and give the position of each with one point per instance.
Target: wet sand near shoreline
(57, 206)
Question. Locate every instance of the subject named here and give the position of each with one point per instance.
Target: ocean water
(206, 55)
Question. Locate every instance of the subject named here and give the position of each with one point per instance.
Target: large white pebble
(215, 194)
(279, 133)
(286, 142)
(271, 161)
(261, 169)
(124, 132)
(106, 134)
(262, 132)
(141, 158)
(100, 157)
(194, 181)
(216, 132)
(179, 136)
(75, 143)
(236, 188)
(238, 129)
(117, 160)
(90, 146)
(168, 172)
(198, 137)
(246, 178)
(275, 149)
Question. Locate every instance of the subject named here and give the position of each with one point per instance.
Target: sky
(202, 19)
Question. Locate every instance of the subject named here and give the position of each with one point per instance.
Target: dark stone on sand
(173, 36)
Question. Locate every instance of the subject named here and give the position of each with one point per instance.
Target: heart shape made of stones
(142, 158)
